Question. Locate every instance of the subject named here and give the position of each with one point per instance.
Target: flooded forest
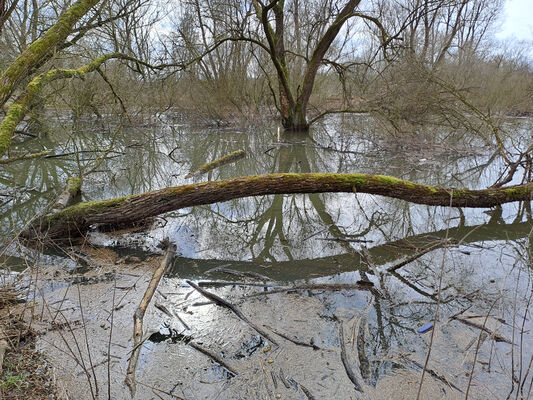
(264, 199)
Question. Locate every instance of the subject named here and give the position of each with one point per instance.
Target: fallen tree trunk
(76, 220)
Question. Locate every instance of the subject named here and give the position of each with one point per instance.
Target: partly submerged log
(76, 220)
(72, 190)
(228, 158)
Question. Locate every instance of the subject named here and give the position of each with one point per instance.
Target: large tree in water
(294, 99)
(289, 41)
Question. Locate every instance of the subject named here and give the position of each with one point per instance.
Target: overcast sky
(517, 20)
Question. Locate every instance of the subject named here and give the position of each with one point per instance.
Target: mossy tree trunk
(31, 58)
(76, 220)
(20, 106)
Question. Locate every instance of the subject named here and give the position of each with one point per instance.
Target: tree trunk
(17, 111)
(76, 220)
(295, 119)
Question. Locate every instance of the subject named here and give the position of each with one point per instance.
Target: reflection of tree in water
(280, 236)
(406, 297)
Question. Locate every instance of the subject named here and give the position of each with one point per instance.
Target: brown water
(482, 255)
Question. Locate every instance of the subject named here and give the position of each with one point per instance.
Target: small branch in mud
(224, 303)
(306, 391)
(320, 286)
(441, 378)
(213, 357)
(296, 342)
(492, 334)
(169, 313)
(345, 361)
(229, 158)
(139, 315)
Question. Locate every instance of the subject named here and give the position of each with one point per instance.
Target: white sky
(517, 20)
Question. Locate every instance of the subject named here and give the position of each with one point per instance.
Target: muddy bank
(86, 333)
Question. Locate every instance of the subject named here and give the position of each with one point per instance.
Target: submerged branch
(228, 158)
(77, 219)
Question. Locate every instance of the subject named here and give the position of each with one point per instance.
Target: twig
(296, 342)
(306, 391)
(432, 373)
(477, 352)
(496, 336)
(213, 357)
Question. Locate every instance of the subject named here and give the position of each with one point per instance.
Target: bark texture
(77, 219)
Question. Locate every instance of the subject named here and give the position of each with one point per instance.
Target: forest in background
(408, 62)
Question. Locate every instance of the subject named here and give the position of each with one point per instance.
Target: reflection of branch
(380, 254)
(417, 255)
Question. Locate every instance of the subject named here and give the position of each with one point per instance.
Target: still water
(479, 258)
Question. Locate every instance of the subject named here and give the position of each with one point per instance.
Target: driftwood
(229, 158)
(139, 315)
(76, 220)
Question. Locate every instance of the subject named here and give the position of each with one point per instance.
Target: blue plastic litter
(425, 328)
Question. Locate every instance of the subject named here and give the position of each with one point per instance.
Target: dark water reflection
(320, 238)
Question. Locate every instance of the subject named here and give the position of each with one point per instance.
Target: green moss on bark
(8, 126)
(19, 108)
(129, 210)
(31, 57)
(74, 185)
